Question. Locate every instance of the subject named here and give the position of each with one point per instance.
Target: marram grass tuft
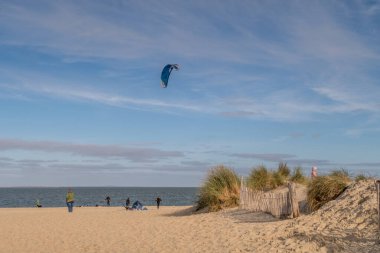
(323, 189)
(221, 189)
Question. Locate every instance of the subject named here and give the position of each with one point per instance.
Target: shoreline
(90, 207)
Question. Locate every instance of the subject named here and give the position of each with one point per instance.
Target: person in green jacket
(70, 200)
(38, 203)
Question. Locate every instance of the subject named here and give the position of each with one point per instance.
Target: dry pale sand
(348, 224)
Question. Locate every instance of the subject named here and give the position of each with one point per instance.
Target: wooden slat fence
(277, 204)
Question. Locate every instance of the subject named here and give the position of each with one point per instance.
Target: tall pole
(293, 200)
(242, 194)
(378, 200)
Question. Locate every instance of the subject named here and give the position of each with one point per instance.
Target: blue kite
(166, 73)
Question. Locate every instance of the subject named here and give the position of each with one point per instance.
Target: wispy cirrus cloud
(242, 63)
(23, 88)
(98, 96)
(17, 166)
(312, 41)
(80, 29)
(288, 158)
(365, 164)
(84, 28)
(134, 154)
(348, 99)
(198, 164)
(70, 30)
(272, 106)
(65, 173)
(359, 130)
(265, 157)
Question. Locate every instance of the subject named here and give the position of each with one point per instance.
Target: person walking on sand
(38, 203)
(314, 172)
(108, 199)
(127, 202)
(70, 200)
(158, 201)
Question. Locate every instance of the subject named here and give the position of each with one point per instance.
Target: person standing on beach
(127, 202)
(158, 201)
(108, 199)
(314, 172)
(38, 203)
(70, 200)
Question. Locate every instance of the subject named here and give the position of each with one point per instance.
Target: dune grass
(259, 178)
(323, 189)
(283, 170)
(263, 179)
(298, 176)
(342, 173)
(221, 189)
(277, 179)
(360, 177)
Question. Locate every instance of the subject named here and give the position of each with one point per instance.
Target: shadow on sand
(246, 216)
(184, 212)
(240, 216)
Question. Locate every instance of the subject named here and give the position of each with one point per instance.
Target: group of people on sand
(158, 201)
(70, 196)
(70, 201)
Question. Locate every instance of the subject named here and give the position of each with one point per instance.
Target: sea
(93, 196)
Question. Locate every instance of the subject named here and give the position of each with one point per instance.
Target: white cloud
(151, 28)
(265, 157)
(43, 85)
(360, 130)
(303, 46)
(134, 154)
(348, 99)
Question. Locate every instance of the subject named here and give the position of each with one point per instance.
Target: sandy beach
(348, 224)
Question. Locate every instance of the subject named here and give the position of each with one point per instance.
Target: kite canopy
(166, 73)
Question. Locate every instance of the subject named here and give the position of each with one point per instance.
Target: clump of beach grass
(263, 179)
(361, 177)
(281, 176)
(221, 189)
(323, 189)
(277, 179)
(298, 176)
(259, 178)
(283, 170)
(342, 173)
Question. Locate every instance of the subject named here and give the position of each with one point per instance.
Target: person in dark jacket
(127, 202)
(158, 201)
(108, 199)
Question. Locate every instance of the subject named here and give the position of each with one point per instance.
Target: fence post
(378, 200)
(242, 196)
(293, 200)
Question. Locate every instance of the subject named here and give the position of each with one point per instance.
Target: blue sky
(261, 82)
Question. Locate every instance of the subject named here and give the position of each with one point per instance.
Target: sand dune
(348, 224)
